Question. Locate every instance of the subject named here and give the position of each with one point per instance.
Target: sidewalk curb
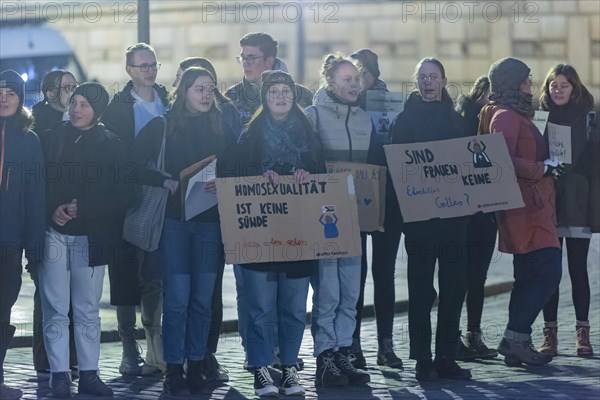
(231, 326)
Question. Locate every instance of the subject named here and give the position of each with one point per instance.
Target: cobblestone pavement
(567, 377)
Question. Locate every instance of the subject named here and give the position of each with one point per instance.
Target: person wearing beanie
(85, 198)
(21, 206)
(368, 65)
(384, 244)
(571, 104)
(529, 233)
(279, 144)
(194, 131)
(57, 88)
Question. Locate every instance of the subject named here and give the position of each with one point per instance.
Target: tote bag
(143, 225)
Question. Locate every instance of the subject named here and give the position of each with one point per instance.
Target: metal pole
(144, 21)
(300, 53)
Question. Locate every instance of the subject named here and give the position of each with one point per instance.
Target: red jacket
(533, 227)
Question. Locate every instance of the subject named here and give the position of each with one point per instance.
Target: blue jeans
(336, 285)
(537, 275)
(189, 253)
(276, 305)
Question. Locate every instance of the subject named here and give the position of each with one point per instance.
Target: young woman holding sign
(278, 141)
(569, 104)
(346, 133)
(529, 233)
(189, 251)
(429, 116)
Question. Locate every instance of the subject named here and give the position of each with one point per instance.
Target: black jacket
(93, 169)
(574, 188)
(423, 121)
(193, 142)
(119, 117)
(45, 117)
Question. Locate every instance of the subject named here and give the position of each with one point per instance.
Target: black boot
(464, 352)
(60, 382)
(356, 354)
(5, 391)
(449, 369)
(197, 376)
(174, 382)
(90, 383)
(355, 377)
(386, 355)
(425, 372)
(328, 374)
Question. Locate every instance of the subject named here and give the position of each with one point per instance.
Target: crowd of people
(97, 152)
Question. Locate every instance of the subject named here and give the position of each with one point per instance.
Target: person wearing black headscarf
(87, 192)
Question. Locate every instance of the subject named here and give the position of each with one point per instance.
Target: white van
(33, 51)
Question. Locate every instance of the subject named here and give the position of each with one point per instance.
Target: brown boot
(584, 348)
(550, 345)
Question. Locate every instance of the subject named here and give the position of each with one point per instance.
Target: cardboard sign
(369, 181)
(194, 199)
(383, 107)
(452, 178)
(286, 221)
(559, 140)
(540, 119)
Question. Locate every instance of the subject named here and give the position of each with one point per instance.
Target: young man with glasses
(135, 278)
(258, 54)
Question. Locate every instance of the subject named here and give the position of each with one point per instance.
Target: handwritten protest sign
(559, 140)
(383, 107)
(540, 119)
(286, 221)
(369, 181)
(452, 178)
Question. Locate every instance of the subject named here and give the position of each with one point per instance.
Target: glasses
(428, 78)
(248, 60)
(68, 88)
(147, 67)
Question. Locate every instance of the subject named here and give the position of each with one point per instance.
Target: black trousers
(10, 285)
(216, 310)
(481, 242)
(577, 254)
(383, 267)
(444, 242)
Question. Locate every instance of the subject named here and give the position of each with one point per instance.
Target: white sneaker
(290, 382)
(263, 383)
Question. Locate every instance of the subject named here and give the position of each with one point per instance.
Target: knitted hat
(506, 76)
(368, 59)
(274, 77)
(507, 72)
(95, 94)
(11, 79)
